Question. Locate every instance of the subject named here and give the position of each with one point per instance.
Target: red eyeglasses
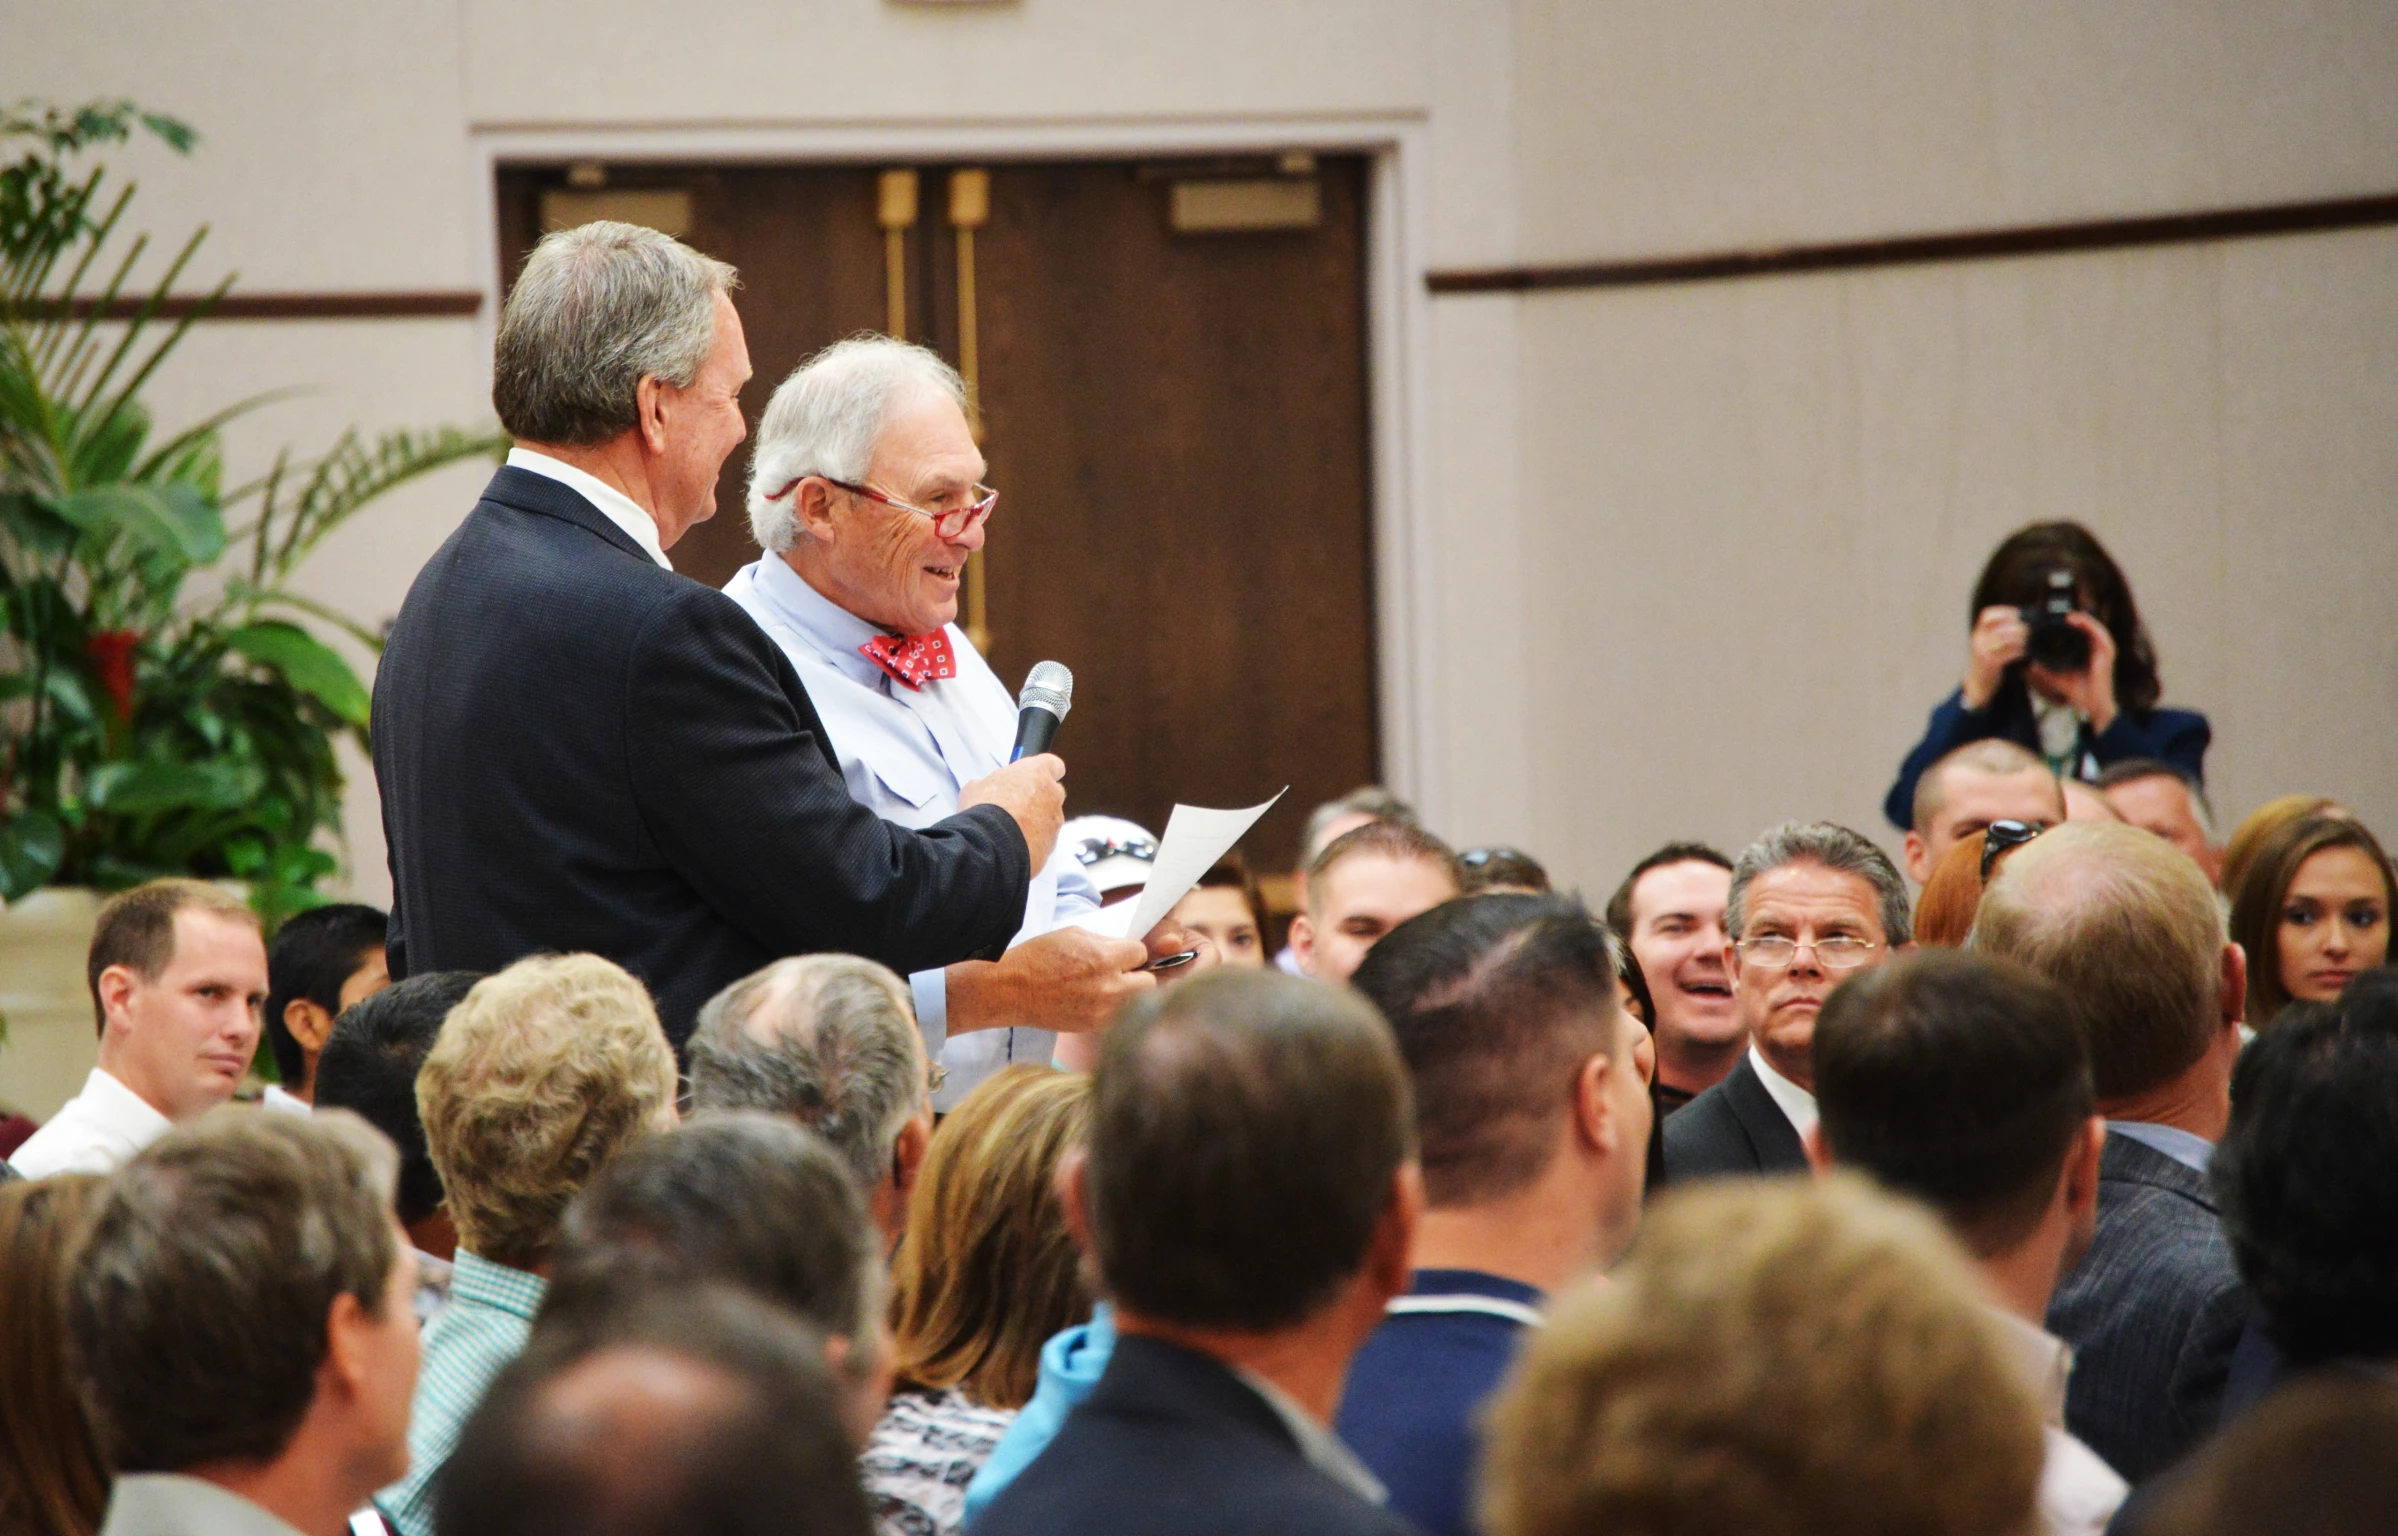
(951, 524)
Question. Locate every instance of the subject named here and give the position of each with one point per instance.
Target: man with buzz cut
(1532, 1123)
(178, 975)
(1981, 782)
(1363, 884)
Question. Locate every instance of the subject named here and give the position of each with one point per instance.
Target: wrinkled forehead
(1798, 894)
(925, 442)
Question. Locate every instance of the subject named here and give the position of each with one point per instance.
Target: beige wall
(1692, 558)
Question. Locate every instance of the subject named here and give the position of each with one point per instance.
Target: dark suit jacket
(1170, 1443)
(2153, 1313)
(578, 750)
(1734, 1127)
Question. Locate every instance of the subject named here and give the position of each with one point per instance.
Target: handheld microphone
(1041, 707)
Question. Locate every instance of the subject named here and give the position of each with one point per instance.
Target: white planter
(51, 1043)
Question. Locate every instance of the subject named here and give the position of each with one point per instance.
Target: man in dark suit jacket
(1244, 1279)
(1811, 905)
(579, 749)
(2127, 926)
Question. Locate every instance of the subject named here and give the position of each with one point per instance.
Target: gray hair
(838, 1054)
(1834, 847)
(595, 310)
(825, 420)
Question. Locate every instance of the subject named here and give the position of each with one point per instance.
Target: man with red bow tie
(865, 492)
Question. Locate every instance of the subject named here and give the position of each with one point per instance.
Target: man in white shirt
(241, 1315)
(1964, 1080)
(1811, 905)
(178, 977)
(864, 492)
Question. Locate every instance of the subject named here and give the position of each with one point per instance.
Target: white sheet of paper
(1195, 839)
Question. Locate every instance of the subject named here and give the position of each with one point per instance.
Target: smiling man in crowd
(177, 975)
(1670, 912)
(1811, 905)
(865, 492)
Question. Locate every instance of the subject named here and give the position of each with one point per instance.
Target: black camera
(2054, 642)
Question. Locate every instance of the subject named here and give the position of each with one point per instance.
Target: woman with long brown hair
(2312, 911)
(52, 1480)
(986, 1273)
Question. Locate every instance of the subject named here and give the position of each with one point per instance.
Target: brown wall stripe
(1917, 250)
(448, 304)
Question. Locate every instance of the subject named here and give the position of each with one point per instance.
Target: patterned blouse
(925, 1451)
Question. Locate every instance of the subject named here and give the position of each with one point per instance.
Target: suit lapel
(1769, 1131)
(2131, 1161)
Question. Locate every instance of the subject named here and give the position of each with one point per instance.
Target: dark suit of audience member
(579, 749)
(1734, 1127)
(2153, 1312)
(1243, 1279)
(2128, 928)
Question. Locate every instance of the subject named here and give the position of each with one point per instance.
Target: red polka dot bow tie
(912, 659)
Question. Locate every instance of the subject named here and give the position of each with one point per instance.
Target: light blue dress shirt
(906, 753)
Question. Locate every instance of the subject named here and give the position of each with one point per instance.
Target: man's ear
(907, 1153)
(1303, 943)
(1594, 1117)
(1073, 1196)
(1389, 1261)
(2235, 984)
(348, 1330)
(812, 507)
(2081, 1167)
(1819, 1156)
(650, 398)
(309, 1024)
(1919, 858)
(116, 989)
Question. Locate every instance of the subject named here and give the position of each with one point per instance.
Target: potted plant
(153, 724)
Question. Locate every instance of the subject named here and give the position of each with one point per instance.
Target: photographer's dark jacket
(2176, 736)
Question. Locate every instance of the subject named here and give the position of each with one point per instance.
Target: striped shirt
(485, 1325)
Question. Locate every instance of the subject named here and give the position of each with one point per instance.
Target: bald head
(2126, 925)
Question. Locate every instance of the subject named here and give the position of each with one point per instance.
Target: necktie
(912, 659)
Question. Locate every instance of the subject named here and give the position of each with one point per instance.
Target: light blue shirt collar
(2192, 1152)
(831, 629)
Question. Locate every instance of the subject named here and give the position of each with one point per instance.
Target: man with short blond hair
(2160, 798)
(542, 1075)
(1775, 1356)
(1981, 782)
(1363, 884)
(2126, 926)
(178, 974)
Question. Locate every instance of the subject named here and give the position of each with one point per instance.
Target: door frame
(1398, 321)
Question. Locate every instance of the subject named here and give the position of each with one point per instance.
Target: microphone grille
(1048, 686)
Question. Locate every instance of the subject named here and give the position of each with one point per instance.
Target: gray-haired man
(1811, 905)
(828, 1041)
(579, 749)
(865, 492)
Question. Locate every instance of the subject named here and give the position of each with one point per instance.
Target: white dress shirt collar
(613, 504)
(170, 1504)
(96, 1131)
(2044, 1359)
(1795, 1102)
(833, 630)
(2190, 1150)
(2079, 1492)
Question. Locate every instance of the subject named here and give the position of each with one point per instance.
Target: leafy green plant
(142, 734)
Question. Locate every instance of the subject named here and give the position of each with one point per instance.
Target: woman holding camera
(2058, 662)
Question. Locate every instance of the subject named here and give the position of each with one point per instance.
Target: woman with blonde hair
(986, 1273)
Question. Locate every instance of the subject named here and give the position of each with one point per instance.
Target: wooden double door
(1170, 365)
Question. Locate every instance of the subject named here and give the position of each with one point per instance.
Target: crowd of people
(639, 1175)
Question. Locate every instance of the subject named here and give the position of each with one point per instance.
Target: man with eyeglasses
(1811, 905)
(865, 492)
